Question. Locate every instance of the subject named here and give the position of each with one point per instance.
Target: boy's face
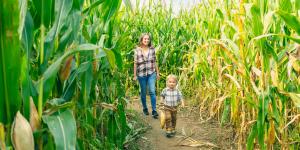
(171, 83)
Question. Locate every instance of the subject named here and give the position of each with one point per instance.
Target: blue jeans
(150, 81)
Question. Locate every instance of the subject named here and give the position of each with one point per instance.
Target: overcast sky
(176, 4)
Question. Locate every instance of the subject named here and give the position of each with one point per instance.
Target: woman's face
(146, 40)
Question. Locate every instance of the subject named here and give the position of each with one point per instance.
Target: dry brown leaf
(21, 135)
(35, 121)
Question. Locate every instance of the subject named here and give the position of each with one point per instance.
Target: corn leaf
(62, 9)
(291, 20)
(63, 128)
(51, 72)
(10, 100)
(295, 98)
(27, 40)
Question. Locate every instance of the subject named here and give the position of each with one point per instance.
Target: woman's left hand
(157, 76)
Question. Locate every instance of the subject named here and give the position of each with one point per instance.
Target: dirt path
(191, 133)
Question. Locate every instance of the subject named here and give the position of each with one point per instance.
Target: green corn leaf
(46, 9)
(62, 9)
(71, 84)
(94, 5)
(111, 57)
(219, 12)
(86, 83)
(10, 99)
(49, 75)
(291, 20)
(27, 40)
(22, 16)
(295, 98)
(297, 5)
(257, 27)
(110, 8)
(63, 128)
(225, 111)
(285, 5)
(251, 137)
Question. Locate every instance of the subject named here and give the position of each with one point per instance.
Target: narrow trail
(191, 133)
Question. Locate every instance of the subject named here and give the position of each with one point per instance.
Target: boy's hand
(161, 104)
(182, 104)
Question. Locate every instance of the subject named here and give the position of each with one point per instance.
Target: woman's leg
(143, 86)
(151, 84)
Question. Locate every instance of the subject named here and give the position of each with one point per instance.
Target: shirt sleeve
(135, 56)
(154, 51)
(163, 93)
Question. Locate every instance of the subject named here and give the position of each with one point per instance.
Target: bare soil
(192, 134)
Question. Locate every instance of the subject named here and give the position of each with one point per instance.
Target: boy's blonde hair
(172, 76)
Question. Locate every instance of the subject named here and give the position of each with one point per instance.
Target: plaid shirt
(145, 65)
(171, 96)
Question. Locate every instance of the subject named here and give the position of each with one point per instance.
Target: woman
(146, 71)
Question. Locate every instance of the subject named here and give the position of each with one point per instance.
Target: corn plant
(68, 69)
(236, 58)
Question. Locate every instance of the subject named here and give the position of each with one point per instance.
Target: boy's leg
(151, 84)
(143, 86)
(168, 122)
(173, 120)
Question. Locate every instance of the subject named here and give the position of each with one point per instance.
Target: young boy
(171, 97)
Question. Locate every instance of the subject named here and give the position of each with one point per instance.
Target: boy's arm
(162, 100)
(182, 103)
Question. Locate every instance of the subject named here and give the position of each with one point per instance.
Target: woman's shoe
(154, 114)
(145, 111)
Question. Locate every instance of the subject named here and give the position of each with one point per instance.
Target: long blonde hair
(141, 40)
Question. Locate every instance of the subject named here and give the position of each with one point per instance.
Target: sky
(177, 5)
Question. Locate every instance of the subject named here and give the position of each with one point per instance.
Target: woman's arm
(134, 71)
(157, 71)
(134, 65)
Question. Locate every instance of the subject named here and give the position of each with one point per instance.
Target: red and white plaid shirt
(145, 65)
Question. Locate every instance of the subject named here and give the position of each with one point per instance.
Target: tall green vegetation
(235, 58)
(64, 65)
(60, 68)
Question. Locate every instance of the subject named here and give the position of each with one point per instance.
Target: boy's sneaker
(173, 132)
(154, 114)
(145, 111)
(168, 134)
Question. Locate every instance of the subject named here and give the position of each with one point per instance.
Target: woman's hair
(298, 50)
(141, 40)
(172, 76)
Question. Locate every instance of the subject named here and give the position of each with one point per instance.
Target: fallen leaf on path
(193, 143)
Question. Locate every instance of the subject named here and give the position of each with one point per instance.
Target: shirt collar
(169, 89)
